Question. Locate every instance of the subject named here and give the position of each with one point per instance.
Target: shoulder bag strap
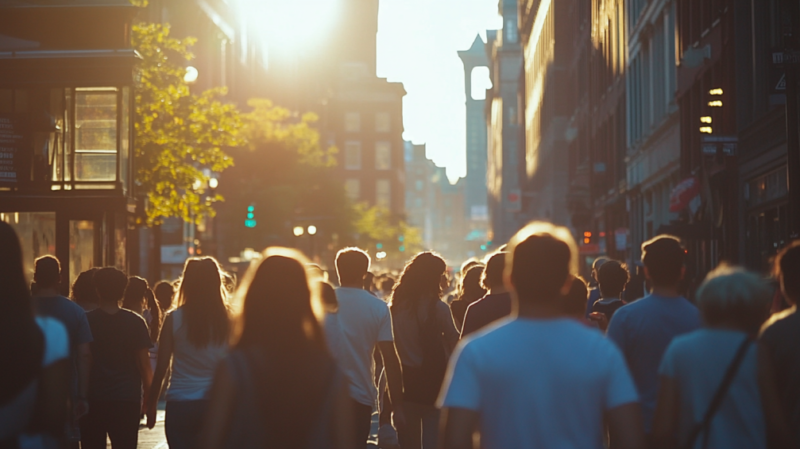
(716, 401)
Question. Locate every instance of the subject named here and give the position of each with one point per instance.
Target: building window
(352, 155)
(383, 156)
(352, 122)
(383, 193)
(96, 135)
(352, 188)
(383, 122)
(511, 31)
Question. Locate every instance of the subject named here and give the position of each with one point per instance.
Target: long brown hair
(203, 300)
(280, 321)
(421, 279)
(23, 342)
(137, 290)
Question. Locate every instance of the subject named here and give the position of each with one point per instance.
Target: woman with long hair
(425, 336)
(84, 292)
(35, 355)
(469, 291)
(279, 387)
(194, 338)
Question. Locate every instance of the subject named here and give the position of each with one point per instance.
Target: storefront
(66, 135)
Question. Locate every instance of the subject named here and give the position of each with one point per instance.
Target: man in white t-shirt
(522, 382)
(362, 323)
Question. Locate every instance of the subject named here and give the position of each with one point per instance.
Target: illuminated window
(352, 155)
(352, 188)
(96, 135)
(383, 156)
(383, 122)
(383, 193)
(352, 122)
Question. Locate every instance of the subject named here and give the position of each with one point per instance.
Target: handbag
(716, 401)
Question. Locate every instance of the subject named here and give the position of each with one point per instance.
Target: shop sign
(621, 239)
(12, 147)
(589, 249)
(683, 194)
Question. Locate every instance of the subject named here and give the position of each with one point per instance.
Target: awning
(67, 68)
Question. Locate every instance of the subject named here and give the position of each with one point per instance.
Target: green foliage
(376, 225)
(178, 133)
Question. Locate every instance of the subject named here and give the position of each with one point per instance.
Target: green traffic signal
(402, 248)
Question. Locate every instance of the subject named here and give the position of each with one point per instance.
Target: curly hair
(421, 278)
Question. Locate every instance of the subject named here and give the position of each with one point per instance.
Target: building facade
(506, 145)
(653, 131)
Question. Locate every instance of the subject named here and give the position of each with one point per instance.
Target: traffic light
(379, 246)
(483, 247)
(402, 248)
(251, 222)
(401, 239)
(587, 238)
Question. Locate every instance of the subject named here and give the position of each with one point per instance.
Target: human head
(368, 282)
(612, 277)
(281, 307)
(469, 263)
(421, 279)
(84, 292)
(47, 272)
(733, 297)
(787, 269)
(110, 284)
(164, 292)
(574, 302)
(471, 288)
(541, 259)
(202, 295)
(597, 264)
(386, 284)
(493, 273)
(134, 297)
(352, 264)
(664, 260)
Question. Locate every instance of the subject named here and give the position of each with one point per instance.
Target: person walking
(496, 304)
(612, 277)
(165, 293)
(279, 387)
(425, 336)
(194, 339)
(644, 329)
(715, 389)
(523, 383)
(470, 290)
(35, 354)
(363, 324)
(120, 367)
(49, 302)
(780, 338)
(140, 299)
(83, 292)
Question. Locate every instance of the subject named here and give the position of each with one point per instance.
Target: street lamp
(312, 230)
(213, 183)
(298, 231)
(191, 75)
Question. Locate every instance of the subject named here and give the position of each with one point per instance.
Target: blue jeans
(183, 423)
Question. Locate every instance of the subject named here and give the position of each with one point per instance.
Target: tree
(179, 134)
(375, 225)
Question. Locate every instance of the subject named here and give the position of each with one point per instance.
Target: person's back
(192, 367)
(496, 304)
(781, 334)
(644, 329)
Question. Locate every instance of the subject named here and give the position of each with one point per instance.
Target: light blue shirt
(528, 380)
(697, 362)
(643, 330)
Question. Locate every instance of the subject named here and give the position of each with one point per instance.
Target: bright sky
(418, 41)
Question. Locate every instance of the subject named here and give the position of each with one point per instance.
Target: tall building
(364, 116)
(505, 161)
(476, 193)
(653, 130)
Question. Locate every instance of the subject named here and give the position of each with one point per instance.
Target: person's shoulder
(488, 335)
(781, 322)
(131, 316)
(70, 305)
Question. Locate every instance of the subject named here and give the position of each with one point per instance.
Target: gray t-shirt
(406, 331)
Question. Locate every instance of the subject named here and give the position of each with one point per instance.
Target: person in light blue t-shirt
(643, 329)
(734, 304)
(522, 382)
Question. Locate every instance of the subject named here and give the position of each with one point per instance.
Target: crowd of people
(520, 353)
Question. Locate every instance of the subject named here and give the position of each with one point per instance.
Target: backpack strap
(716, 401)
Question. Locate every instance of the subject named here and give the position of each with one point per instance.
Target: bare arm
(665, 425)
(394, 379)
(458, 427)
(143, 363)
(218, 417)
(625, 427)
(778, 433)
(163, 363)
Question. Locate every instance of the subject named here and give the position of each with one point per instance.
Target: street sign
(720, 139)
(786, 57)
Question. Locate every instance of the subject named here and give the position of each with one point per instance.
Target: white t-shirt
(528, 380)
(698, 361)
(353, 333)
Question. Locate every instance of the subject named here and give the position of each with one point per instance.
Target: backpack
(421, 384)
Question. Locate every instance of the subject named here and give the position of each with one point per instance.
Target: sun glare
(290, 25)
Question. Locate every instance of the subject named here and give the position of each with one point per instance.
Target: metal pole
(792, 136)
